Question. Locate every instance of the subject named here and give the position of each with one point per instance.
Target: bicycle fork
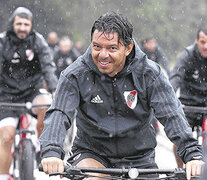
(22, 134)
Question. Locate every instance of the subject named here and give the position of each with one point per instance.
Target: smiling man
(25, 64)
(22, 26)
(114, 92)
(108, 53)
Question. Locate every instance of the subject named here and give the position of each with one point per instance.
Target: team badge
(69, 61)
(196, 74)
(131, 98)
(29, 54)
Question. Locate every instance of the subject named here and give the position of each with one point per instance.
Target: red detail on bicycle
(24, 155)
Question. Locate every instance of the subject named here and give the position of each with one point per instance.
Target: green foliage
(173, 22)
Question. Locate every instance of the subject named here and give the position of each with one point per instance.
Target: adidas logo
(97, 100)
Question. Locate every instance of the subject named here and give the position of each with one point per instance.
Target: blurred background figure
(151, 48)
(65, 55)
(79, 47)
(52, 40)
(188, 77)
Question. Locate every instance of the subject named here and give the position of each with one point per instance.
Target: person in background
(189, 75)
(114, 91)
(66, 54)
(153, 51)
(52, 40)
(79, 47)
(25, 61)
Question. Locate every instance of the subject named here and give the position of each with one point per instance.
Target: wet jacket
(114, 113)
(63, 60)
(24, 62)
(157, 56)
(190, 75)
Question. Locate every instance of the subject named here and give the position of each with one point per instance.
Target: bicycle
(79, 173)
(24, 150)
(199, 131)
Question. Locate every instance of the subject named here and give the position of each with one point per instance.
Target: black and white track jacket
(24, 62)
(114, 114)
(190, 75)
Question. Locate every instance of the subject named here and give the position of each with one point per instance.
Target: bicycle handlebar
(27, 105)
(195, 109)
(132, 173)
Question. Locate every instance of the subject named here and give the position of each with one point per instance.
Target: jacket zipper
(115, 113)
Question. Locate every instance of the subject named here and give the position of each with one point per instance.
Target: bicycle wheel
(27, 155)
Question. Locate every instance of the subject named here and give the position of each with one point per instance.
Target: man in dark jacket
(153, 51)
(116, 91)
(190, 76)
(65, 55)
(25, 61)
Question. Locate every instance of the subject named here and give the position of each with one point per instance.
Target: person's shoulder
(38, 35)
(3, 34)
(40, 40)
(147, 68)
(152, 67)
(190, 48)
(187, 54)
(2, 37)
(77, 68)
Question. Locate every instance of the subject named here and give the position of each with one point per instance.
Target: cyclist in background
(190, 76)
(66, 54)
(25, 61)
(79, 47)
(153, 51)
(52, 40)
(116, 91)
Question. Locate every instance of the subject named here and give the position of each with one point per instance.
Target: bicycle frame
(23, 134)
(199, 131)
(24, 155)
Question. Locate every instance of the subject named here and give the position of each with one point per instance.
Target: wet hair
(203, 29)
(24, 15)
(112, 22)
(21, 12)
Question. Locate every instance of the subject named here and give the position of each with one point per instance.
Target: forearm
(168, 110)
(53, 135)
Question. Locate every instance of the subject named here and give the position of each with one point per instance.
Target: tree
(173, 22)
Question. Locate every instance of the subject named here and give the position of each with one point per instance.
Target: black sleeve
(168, 110)
(2, 40)
(59, 117)
(178, 72)
(163, 60)
(47, 64)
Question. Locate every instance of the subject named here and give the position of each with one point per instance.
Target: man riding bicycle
(25, 64)
(154, 52)
(190, 76)
(116, 91)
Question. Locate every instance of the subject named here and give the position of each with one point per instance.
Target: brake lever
(180, 173)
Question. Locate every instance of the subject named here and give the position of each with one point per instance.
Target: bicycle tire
(27, 160)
